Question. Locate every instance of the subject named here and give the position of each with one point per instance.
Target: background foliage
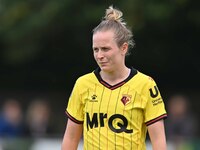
(45, 45)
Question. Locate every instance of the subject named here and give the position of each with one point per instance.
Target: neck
(116, 76)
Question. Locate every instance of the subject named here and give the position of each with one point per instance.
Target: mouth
(102, 63)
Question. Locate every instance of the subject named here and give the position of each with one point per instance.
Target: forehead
(103, 37)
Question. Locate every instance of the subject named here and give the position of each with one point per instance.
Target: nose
(99, 54)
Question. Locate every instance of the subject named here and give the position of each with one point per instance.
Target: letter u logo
(154, 93)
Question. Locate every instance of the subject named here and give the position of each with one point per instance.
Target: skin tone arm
(157, 135)
(72, 136)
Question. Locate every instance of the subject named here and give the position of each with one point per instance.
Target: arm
(72, 135)
(157, 135)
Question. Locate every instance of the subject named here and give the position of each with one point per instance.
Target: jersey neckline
(112, 87)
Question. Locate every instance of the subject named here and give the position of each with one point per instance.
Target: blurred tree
(47, 44)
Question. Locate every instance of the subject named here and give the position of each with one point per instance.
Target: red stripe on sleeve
(156, 119)
(73, 119)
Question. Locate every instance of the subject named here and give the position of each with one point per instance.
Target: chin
(106, 69)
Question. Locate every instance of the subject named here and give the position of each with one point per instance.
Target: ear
(124, 48)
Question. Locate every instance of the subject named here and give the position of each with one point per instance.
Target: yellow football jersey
(115, 117)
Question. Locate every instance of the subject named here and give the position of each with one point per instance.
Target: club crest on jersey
(126, 99)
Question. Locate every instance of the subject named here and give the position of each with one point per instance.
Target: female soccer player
(115, 105)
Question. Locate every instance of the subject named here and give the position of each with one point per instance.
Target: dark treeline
(47, 44)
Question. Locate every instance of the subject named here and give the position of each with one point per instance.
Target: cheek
(116, 58)
(114, 55)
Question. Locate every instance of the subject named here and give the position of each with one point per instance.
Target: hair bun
(113, 14)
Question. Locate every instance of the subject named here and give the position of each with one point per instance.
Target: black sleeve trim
(164, 116)
(73, 119)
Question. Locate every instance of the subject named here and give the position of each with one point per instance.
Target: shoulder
(144, 78)
(86, 78)
(143, 83)
(84, 82)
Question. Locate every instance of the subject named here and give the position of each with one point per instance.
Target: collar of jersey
(112, 87)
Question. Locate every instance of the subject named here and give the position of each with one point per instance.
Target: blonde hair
(113, 21)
